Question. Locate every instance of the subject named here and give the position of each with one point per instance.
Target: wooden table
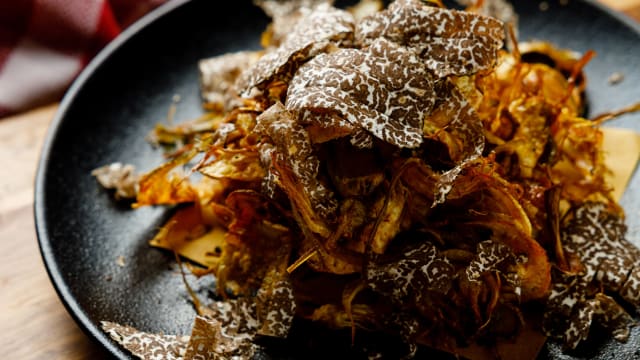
(33, 322)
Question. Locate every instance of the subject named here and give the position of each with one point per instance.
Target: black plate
(128, 88)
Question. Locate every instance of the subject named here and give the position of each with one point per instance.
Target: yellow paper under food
(622, 152)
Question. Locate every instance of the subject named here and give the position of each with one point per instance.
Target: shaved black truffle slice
(417, 270)
(384, 89)
(314, 32)
(595, 234)
(450, 42)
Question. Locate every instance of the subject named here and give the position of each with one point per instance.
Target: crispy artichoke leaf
(529, 140)
(462, 121)
(329, 126)
(242, 165)
(292, 143)
(254, 241)
(454, 114)
(164, 186)
(187, 234)
(392, 216)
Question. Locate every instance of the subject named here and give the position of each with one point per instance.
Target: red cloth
(44, 44)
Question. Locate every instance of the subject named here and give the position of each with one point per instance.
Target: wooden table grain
(33, 321)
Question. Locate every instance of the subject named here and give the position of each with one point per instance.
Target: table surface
(33, 322)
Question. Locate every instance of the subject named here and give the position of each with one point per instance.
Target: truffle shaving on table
(391, 171)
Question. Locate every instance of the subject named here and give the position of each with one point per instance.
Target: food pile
(398, 172)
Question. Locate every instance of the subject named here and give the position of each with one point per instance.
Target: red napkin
(44, 44)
